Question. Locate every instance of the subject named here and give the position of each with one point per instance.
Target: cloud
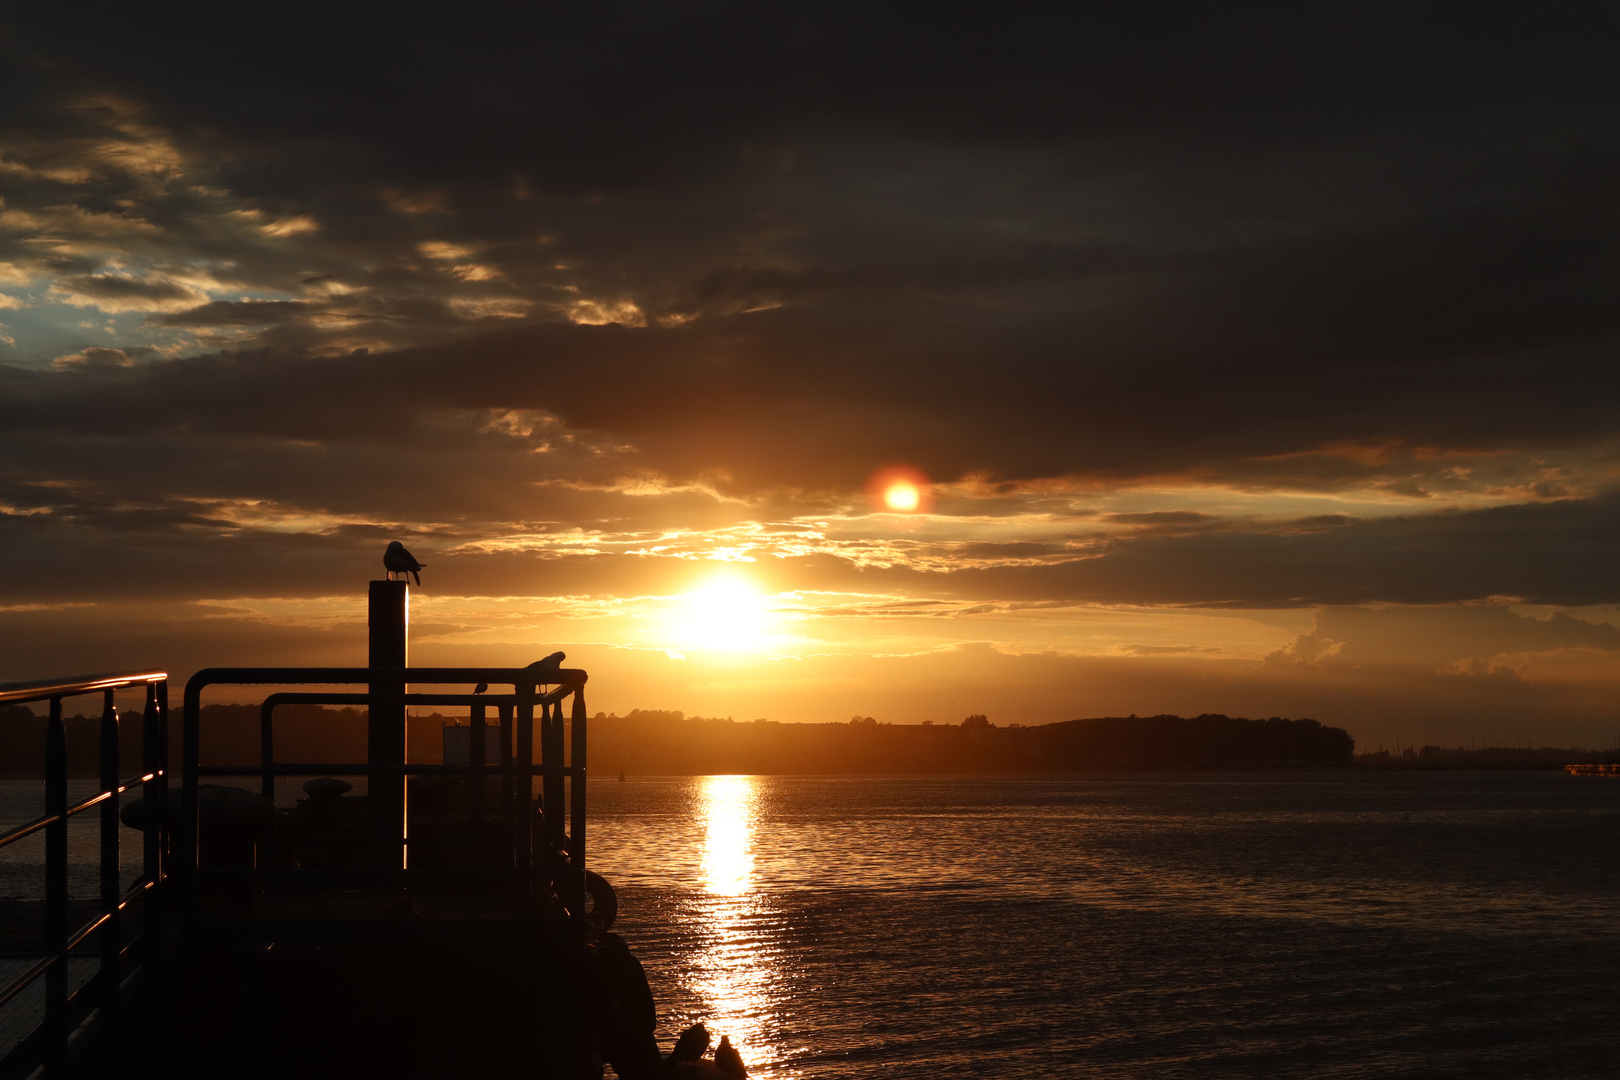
(1459, 638)
(96, 358)
(120, 292)
(290, 226)
(236, 313)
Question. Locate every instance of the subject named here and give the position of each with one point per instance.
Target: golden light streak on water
(737, 966)
(728, 838)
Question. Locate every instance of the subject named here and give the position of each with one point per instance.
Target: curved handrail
(68, 686)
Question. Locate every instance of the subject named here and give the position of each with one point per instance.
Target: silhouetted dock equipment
(1593, 769)
(384, 860)
(441, 923)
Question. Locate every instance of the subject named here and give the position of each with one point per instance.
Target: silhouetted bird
(728, 1061)
(481, 687)
(550, 663)
(691, 1046)
(396, 560)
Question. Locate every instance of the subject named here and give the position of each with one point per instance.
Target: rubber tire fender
(603, 902)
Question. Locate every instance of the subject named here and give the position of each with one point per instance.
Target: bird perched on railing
(396, 560)
(550, 663)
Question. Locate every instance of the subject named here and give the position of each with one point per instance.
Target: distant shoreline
(666, 743)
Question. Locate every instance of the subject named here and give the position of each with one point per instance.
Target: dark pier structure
(440, 923)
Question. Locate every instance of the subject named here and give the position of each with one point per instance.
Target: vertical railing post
(164, 818)
(267, 749)
(56, 886)
(576, 797)
(552, 783)
(389, 621)
(109, 932)
(475, 756)
(576, 758)
(151, 835)
(183, 853)
(523, 800)
(508, 781)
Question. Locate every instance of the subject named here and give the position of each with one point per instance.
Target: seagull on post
(396, 560)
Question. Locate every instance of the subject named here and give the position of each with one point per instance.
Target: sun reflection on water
(728, 834)
(737, 974)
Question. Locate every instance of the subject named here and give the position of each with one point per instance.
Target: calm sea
(1311, 925)
(1321, 925)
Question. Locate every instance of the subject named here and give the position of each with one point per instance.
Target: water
(1322, 925)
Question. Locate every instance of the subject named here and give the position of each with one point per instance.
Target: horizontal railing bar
(96, 923)
(71, 686)
(102, 796)
(87, 929)
(27, 830)
(316, 697)
(39, 823)
(21, 982)
(244, 676)
(384, 872)
(350, 769)
(373, 841)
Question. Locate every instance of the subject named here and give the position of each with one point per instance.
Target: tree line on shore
(661, 742)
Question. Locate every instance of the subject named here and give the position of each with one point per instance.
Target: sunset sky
(1259, 360)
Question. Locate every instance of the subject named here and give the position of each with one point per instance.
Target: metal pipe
(109, 856)
(151, 838)
(522, 802)
(508, 779)
(576, 793)
(56, 1021)
(348, 768)
(551, 784)
(576, 782)
(158, 819)
(382, 873)
(332, 697)
(41, 689)
(184, 849)
(20, 983)
(267, 748)
(475, 756)
(335, 676)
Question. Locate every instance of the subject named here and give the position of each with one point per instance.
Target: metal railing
(120, 963)
(558, 831)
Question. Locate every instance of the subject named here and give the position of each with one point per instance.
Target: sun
(726, 613)
(902, 495)
(900, 489)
